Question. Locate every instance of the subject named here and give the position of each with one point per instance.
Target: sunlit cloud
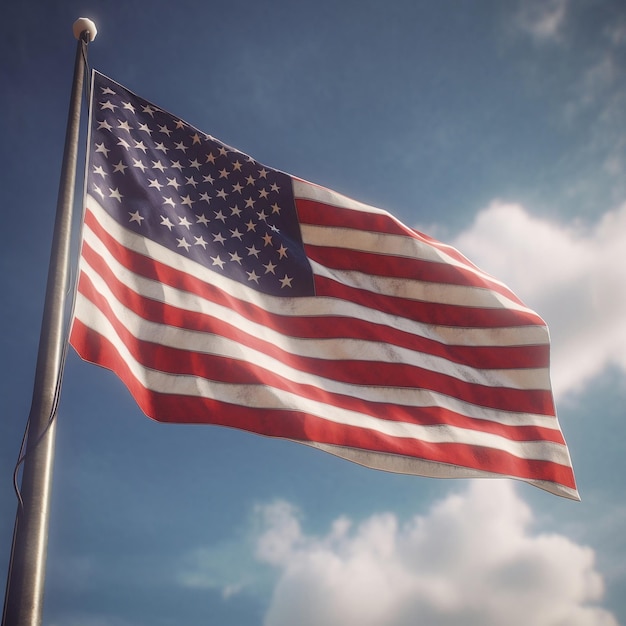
(472, 559)
(542, 19)
(572, 275)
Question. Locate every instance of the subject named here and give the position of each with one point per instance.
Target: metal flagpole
(23, 604)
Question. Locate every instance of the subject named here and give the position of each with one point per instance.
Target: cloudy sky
(499, 127)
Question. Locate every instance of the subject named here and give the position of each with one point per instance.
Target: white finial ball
(81, 25)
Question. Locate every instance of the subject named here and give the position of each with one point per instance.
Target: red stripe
(301, 426)
(396, 267)
(371, 373)
(451, 315)
(317, 213)
(482, 357)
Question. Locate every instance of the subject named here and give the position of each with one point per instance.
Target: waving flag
(222, 291)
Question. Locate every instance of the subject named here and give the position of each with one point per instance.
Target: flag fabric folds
(222, 291)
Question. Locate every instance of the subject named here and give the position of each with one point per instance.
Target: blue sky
(497, 127)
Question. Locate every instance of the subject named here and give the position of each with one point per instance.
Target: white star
(210, 158)
(269, 268)
(222, 150)
(155, 183)
(98, 191)
(124, 125)
(123, 143)
(251, 226)
(235, 210)
(177, 165)
(199, 241)
(157, 165)
(267, 238)
(139, 164)
(120, 167)
(145, 128)
(249, 180)
(224, 173)
(135, 217)
(237, 187)
(165, 221)
(275, 208)
(108, 105)
(183, 221)
(187, 200)
(128, 106)
(236, 233)
(221, 194)
(252, 276)
(202, 219)
(217, 261)
(220, 216)
(165, 130)
(275, 187)
(249, 203)
(180, 146)
(195, 139)
(236, 166)
(195, 164)
(262, 216)
(235, 257)
(208, 179)
(252, 251)
(101, 148)
(97, 169)
(180, 124)
(114, 193)
(104, 124)
(205, 196)
(149, 110)
(140, 146)
(172, 182)
(182, 243)
(107, 90)
(263, 173)
(219, 238)
(160, 146)
(190, 180)
(285, 281)
(282, 252)
(169, 201)
(263, 193)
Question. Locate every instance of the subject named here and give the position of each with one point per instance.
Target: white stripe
(420, 467)
(419, 291)
(261, 396)
(317, 306)
(383, 243)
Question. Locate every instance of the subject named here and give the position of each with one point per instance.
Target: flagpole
(23, 604)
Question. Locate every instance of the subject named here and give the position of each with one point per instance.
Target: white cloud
(573, 276)
(471, 560)
(227, 568)
(542, 19)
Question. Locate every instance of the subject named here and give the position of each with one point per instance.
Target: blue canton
(163, 179)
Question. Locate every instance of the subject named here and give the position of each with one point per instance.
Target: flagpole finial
(82, 25)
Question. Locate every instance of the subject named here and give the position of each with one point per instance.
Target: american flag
(222, 291)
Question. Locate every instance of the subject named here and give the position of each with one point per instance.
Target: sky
(498, 127)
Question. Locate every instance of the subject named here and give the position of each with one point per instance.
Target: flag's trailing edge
(225, 292)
